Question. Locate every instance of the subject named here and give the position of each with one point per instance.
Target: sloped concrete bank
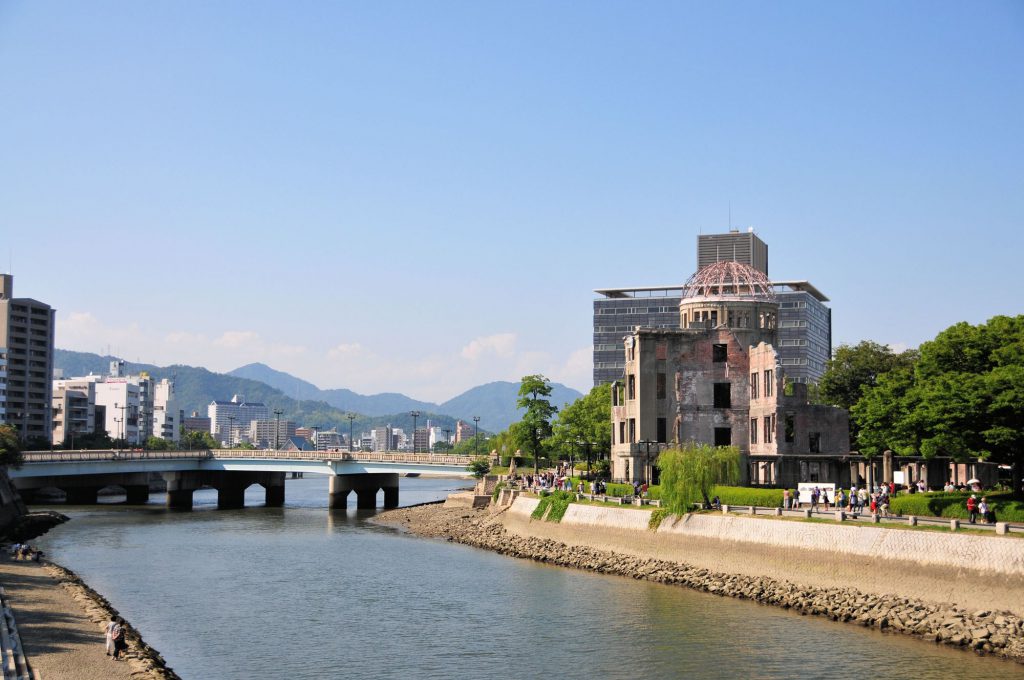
(144, 661)
(994, 632)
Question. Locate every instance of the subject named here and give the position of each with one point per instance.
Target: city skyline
(423, 201)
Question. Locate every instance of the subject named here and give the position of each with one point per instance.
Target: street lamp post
(415, 415)
(476, 436)
(277, 428)
(351, 417)
(536, 451)
(448, 439)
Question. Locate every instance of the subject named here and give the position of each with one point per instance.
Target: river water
(301, 592)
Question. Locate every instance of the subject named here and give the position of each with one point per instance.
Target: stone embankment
(144, 661)
(992, 632)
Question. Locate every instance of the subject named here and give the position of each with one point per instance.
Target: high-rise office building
(26, 344)
(225, 415)
(735, 246)
(805, 321)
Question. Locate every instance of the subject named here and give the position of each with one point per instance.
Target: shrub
(497, 490)
(690, 474)
(954, 505)
(545, 501)
(657, 516)
(654, 492)
(618, 490)
(558, 501)
(741, 495)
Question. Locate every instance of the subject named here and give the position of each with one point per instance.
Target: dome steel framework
(729, 281)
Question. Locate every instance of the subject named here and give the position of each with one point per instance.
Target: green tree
(199, 439)
(10, 447)
(158, 444)
(689, 474)
(479, 467)
(964, 398)
(245, 446)
(854, 369)
(586, 420)
(536, 421)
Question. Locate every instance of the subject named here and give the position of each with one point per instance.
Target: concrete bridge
(81, 474)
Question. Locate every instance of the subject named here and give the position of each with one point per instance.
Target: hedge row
(741, 495)
(954, 505)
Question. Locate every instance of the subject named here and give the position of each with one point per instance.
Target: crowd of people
(23, 551)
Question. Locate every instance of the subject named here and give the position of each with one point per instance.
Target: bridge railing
(109, 454)
(249, 454)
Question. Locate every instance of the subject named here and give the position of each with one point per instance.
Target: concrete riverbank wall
(985, 554)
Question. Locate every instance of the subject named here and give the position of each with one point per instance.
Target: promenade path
(60, 640)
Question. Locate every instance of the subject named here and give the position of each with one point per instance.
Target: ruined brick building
(717, 380)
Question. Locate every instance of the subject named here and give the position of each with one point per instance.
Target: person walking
(110, 635)
(118, 635)
(972, 509)
(983, 509)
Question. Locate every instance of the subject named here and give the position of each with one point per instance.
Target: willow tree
(689, 474)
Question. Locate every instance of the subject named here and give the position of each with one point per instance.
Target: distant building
(383, 439)
(166, 418)
(237, 412)
(421, 440)
(119, 398)
(196, 423)
(74, 410)
(26, 362)
(270, 433)
(304, 432)
(463, 431)
(734, 246)
(329, 440)
(295, 443)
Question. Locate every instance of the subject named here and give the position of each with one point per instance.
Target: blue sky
(421, 197)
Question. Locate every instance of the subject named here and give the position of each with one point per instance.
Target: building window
(632, 387)
(753, 430)
(723, 436)
(753, 385)
(662, 430)
(622, 432)
(632, 430)
(615, 394)
(768, 383)
(790, 429)
(723, 395)
(814, 442)
(661, 386)
(719, 353)
(769, 428)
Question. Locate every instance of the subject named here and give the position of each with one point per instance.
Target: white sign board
(897, 477)
(805, 489)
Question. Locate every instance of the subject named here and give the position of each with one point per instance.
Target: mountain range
(305, 403)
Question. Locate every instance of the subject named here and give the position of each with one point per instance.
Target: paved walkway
(61, 641)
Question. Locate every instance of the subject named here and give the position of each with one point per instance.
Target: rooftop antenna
(730, 215)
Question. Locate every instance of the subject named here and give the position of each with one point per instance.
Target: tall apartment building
(26, 344)
(227, 414)
(166, 418)
(267, 433)
(805, 321)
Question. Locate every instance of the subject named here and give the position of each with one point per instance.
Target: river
(301, 592)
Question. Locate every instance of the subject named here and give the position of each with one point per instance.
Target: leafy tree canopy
(689, 474)
(588, 419)
(10, 447)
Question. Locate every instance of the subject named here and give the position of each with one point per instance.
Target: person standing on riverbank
(118, 635)
(110, 635)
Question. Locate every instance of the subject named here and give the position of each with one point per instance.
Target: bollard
(725, 509)
(1002, 528)
(753, 510)
(954, 524)
(807, 513)
(912, 520)
(778, 512)
(875, 519)
(840, 516)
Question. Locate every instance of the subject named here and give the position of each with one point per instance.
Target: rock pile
(144, 661)
(998, 633)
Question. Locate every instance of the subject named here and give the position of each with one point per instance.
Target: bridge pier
(179, 499)
(231, 495)
(82, 495)
(180, 487)
(274, 496)
(366, 487)
(137, 494)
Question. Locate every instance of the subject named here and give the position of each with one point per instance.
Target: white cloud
(236, 339)
(502, 345)
(899, 347)
(345, 349)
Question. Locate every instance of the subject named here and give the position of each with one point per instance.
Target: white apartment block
(74, 410)
(166, 422)
(225, 415)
